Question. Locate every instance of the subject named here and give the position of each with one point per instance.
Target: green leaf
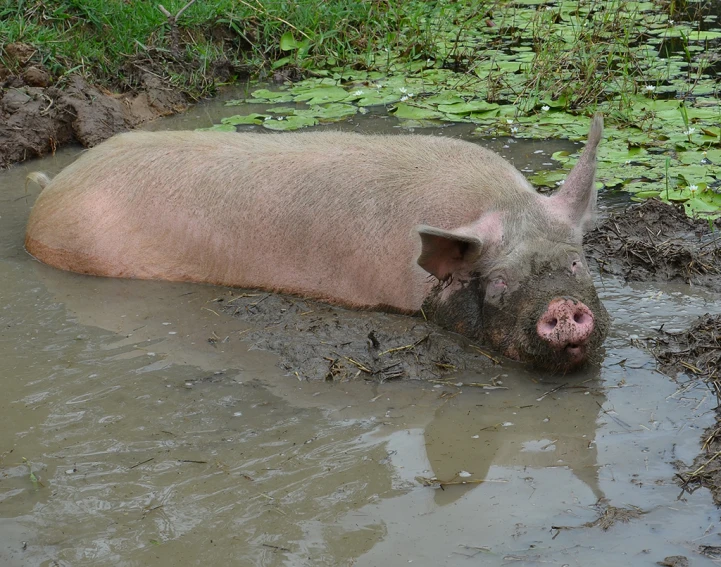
(264, 95)
(243, 119)
(281, 62)
(287, 42)
(409, 112)
(320, 95)
(334, 111)
(290, 123)
(377, 98)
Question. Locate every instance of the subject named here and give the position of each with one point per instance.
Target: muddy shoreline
(39, 112)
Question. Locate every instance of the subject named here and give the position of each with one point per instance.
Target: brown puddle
(157, 435)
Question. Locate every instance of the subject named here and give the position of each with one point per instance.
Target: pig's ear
(576, 199)
(445, 252)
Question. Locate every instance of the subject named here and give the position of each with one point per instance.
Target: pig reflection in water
(398, 223)
(515, 429)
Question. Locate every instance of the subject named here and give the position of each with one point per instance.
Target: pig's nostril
(547, 326)
(582, 318)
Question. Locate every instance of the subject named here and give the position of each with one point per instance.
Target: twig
(551, 391)
(488, 356)
(143, 462)
(407, 347)
(173, 23)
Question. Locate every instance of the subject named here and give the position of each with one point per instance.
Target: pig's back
(330, 215)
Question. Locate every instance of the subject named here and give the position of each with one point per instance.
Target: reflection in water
(156, 437)
(529, 425)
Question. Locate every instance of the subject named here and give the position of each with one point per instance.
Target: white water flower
(514, 130)
(690, 131)
(650, 88)
(545, 108)
(358, 93)
(403, 90)
(404, 98)
(671, 22)
(693, 188)
(509, 120)
(280, 118)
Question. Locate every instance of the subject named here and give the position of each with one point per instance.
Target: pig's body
(328, 215)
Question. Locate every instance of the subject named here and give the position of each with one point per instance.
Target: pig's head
(517, 278)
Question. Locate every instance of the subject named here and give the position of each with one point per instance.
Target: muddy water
(137, 428)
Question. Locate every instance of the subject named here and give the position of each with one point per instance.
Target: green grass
(99, 37)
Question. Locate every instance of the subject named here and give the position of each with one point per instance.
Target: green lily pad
(243, 119)
(334, 111)
(320, 95)
(408, 112)
(290, 123)
(265, 95)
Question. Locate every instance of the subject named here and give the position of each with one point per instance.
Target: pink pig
(396, 223)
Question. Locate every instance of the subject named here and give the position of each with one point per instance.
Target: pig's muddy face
(547, 313)
(538, 307)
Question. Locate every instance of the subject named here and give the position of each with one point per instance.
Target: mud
(319, 342)
(696, 353)
(37, 115)
(655, 242)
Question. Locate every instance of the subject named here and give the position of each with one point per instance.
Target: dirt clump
(674, 561)
(321, 342)
(38, 112)
(36, 118)
(654, 241)
(696, 350)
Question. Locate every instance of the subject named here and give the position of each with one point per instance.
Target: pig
(410, 224)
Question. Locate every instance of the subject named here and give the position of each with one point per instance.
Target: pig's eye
(497, 287)
(577, 266)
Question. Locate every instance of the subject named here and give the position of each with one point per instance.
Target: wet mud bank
(659, 243)
(655, 242)
(39, 113)
(316, 341)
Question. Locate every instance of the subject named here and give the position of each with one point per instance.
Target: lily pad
(243, 119)
(289, 123)
(320, 95)
(408, 112)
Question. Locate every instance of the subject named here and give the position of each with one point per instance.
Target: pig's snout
(566, 326)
